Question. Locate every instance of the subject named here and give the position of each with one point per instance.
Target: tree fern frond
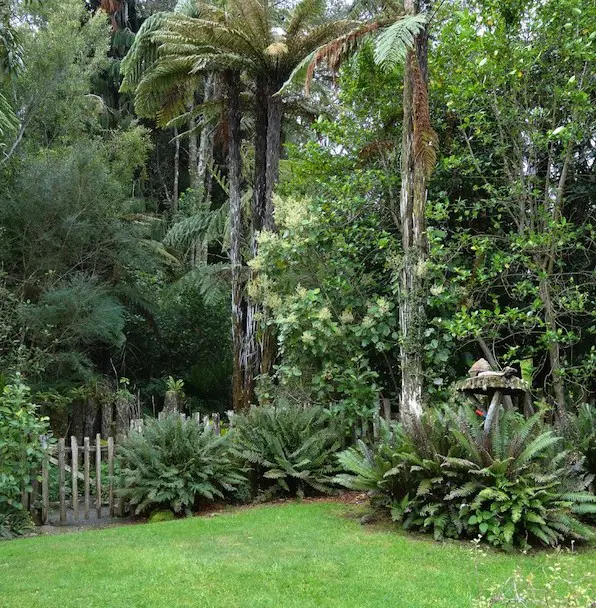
(304, 14)
(393, 43)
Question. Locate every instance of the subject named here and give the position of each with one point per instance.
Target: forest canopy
(174, 206)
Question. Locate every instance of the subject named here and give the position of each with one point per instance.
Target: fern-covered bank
(291, 555)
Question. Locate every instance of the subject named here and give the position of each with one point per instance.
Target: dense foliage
(290, 450)
(176, 464)
(514, 487)
(23, 442)
(89, 290)
(177, 213)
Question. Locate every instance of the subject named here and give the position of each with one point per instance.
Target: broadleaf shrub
(513, 488)
(176, 464)
(291, 450)
(24, 436)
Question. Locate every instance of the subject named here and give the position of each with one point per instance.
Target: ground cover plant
(291, 555)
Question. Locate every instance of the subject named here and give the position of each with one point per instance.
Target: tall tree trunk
(413, 231)
(200, 153)
(243, 323)
(176, 187)
(268, 342)
(274, 124)
(260, 141)
(205, 155)
(193, 153)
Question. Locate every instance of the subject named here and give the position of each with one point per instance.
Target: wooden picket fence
(212, 421)
(93, 454)
(66, 459)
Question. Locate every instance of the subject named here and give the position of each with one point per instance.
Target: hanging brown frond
(426, 140)
(337, 51)
(110, 6)
(375, 149)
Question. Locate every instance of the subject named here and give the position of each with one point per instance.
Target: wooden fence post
(387, 409)
(86, 466)
(376, 424)
(45, 489)
(98, 474)
(111, 475)
(61, 480)
(74, 470)
(216, 424)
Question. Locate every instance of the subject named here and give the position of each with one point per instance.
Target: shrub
(174, 464)
(21, 454)
(512, 488)
(290, 450)
(16, 522)
(376, 470)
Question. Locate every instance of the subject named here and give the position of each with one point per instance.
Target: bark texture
(413, 233)
(243, 321)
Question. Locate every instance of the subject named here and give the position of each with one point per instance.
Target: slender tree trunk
(205, 155)
(243, 331)
(193, 154)
(413, 230)
(193, 163)
(554, 349)
(260, 174)
(176, 187)
(274, 124)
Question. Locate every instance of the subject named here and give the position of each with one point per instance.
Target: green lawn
(277, 555)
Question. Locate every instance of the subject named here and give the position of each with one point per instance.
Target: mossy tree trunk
(413, 231)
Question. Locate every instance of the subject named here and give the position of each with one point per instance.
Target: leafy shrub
(512, 488)
(375, 469)
(16, 522)
(290, 450)
(174, 464)
(21, 454)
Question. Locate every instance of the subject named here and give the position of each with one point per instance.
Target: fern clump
(290, 450)
(176, 464)
(514, 488)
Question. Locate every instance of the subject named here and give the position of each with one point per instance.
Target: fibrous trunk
(413, 231)
(243, 323)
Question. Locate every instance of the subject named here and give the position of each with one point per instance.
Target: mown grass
(271, 556)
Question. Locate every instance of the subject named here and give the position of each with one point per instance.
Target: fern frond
(393, 43)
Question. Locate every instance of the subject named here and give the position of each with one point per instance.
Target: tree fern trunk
(413, 229)
(274, 124)
(260, 174)
(176, 187)
(242, 318)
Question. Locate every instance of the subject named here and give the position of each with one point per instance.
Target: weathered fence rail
(70, 459)
(97, 455)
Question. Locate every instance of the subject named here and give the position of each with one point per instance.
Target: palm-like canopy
(247, 39)
(172, 50)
